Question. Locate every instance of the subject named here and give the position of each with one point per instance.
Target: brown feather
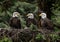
(46, 23)
(15, 22)
(29, 21)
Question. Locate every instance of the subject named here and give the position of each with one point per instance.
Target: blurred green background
(7, 7)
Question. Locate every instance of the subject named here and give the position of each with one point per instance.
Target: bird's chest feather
(43, 23)
(14, 21)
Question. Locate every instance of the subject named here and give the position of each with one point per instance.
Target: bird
(45, 22)
(14, 21)
(30, 19)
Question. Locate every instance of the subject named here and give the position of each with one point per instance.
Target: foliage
(54, 37)
(56, 17)
(5, 39)
(33, 27)
(40, 36)
(22, 7)
(7, 7)
(2, 25)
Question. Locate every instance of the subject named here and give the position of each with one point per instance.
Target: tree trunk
(45, 5)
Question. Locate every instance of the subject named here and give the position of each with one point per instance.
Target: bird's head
(16, 14)
(43, 15)
(30, 15)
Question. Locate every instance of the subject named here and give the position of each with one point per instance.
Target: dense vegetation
(7, 7)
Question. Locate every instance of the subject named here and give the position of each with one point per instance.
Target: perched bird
(45, 22)
(30, 19)
(14, 21)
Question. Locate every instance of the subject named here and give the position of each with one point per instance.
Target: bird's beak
(39, 14)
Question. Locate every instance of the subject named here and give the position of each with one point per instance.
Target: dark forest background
(51, 7)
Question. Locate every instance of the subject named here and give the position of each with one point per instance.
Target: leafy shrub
(54, 37)
(40, 36)
(2, 25)
(5, 39)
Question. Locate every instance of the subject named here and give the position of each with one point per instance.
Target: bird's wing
(19, 21)
(35, 22)
(49, 22)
